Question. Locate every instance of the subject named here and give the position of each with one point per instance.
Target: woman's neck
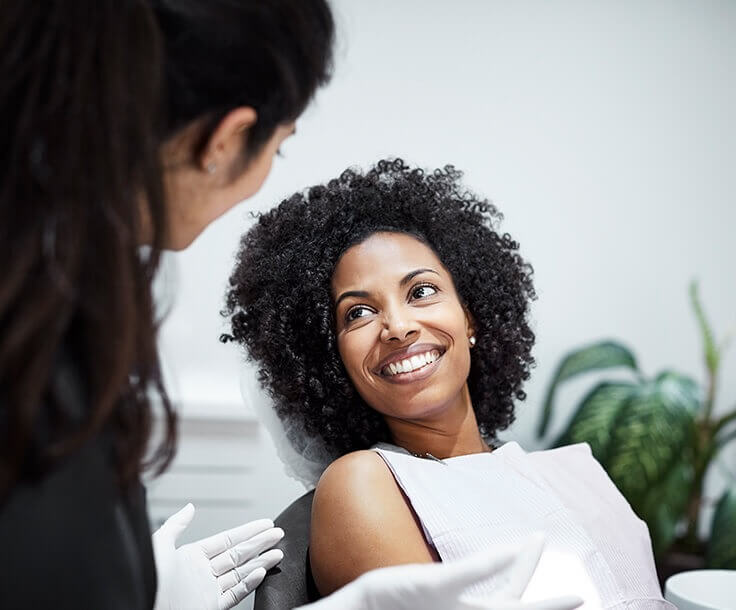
(452, 431)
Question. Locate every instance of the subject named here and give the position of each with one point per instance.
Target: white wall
(604, 131)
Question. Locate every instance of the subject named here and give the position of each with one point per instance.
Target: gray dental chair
(290, 584)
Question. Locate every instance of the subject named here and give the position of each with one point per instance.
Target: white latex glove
(217, 572)
(440, 586)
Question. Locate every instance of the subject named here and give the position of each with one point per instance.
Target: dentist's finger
(267, 560)
(176, 524)
(219, 543)
(245, 551)
(239, 592)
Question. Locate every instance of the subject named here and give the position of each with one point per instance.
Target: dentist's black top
(73, 538)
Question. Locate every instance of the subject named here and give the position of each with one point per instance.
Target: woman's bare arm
(361, 521)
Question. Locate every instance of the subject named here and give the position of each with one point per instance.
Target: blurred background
(605, 133)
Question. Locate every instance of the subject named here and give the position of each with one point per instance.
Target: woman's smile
(414, 363)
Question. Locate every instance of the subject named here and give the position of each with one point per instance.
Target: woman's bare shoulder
(358, 472)
(360, 521)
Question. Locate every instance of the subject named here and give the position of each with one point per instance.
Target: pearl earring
(472, 340)
(211, 168)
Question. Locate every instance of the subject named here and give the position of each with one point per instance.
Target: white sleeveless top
(596, 547)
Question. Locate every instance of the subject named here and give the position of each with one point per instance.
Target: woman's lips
(417, 374)
(412, 362)
(407, 353)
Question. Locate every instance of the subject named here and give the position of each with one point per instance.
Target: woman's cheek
(352, 352)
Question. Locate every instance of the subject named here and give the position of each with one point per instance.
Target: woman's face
(402, 332)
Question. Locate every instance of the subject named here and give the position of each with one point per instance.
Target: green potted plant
(656, 438)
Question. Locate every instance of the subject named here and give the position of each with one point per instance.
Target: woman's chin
(426, 405)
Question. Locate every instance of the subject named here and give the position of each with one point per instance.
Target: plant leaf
(650, 434)
(721, 552)
(602, 355)
(592, 423)
(664, 505)
(681, 390)
(712, 354)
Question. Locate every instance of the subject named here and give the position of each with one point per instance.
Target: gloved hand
(439, 586)
(217, 572)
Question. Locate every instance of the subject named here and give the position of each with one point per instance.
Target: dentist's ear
(223, 150)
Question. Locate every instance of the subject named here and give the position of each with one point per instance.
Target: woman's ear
(225, 146)
(469, 323)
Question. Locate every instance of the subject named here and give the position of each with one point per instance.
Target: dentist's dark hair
(91, 89)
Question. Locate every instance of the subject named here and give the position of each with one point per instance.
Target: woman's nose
(398, 325)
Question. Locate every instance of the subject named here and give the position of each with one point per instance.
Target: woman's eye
(423, 291)
(357, 312)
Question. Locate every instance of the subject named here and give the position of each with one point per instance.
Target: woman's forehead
(383, 258)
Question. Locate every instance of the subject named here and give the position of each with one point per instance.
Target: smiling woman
(389, 319)
(283, 295)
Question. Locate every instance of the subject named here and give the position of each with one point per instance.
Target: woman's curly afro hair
(281, 308)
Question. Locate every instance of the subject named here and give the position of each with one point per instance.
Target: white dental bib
(596, 547)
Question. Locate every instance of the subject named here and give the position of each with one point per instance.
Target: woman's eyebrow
(412, 274)
(361, 294)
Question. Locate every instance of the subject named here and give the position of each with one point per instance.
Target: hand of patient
(215, 573)
(440, 586)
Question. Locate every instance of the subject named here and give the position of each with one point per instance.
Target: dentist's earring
(211, 168)
(472, 340)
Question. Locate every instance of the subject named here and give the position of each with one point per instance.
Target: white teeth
(411, 364)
